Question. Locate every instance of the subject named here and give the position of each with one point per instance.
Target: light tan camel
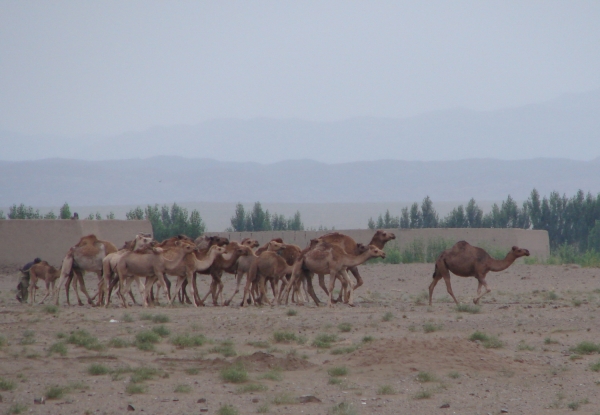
(466, 260)
(150, 262)
(42, 271)
(268, 266)
(86, 256)
(243, 266)
(326, 258)
(109, 265)
(379, 239)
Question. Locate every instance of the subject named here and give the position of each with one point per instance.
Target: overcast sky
(83, 67)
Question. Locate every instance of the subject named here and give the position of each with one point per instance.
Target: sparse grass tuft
(3, 341)
(118, 343)
(51, 309)
(82, 338)
(182, 389)
(338, 371)
(524, 346)
(595, 366)
(454, 375)
(142, 374)
(423, 394)
(127, 318)
(55, 392)
(367, 339)
(424, 377)
(324, 340)
(7, 385)
(251, 387)
(225, 349)
(284, 337)
(28, 338)
(551, 296)
(343, 408)
(161, 330)
(586, 347)
(283, 398)
(291, 312)
(16, 408)
(186, 340)
(234, 374)
(430, 327)
(388, 316)
(96, 369)
(549, 340)
(134, 389)
(259, 344)
(227, 410)
(263, 409)
(146, 339)
(344, 350)
(274, 374)
(58, 347)
(386, 390)
(345, 327)
(489, 342)
(160, 318)
(468, 308)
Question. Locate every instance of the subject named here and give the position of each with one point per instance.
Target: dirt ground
(395, 354)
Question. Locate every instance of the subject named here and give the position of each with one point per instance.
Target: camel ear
(514, 248)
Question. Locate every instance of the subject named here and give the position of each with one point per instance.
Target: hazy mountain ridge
(568, 126)
(51, 182)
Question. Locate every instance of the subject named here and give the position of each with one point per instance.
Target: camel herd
(285, 267)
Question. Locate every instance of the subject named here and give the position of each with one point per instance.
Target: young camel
(326, 258)
(268, 265)
(466, 260)
(44, 272)
(379, 239)
(86, 256)
(150, 262)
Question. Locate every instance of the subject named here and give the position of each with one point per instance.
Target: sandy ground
(420, 355)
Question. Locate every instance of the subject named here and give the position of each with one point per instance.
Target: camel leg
(359, 280)
(332, 278)
(48, 285)
(311, 290)
(348, 282)
(322, 283)
(84, 290)
(238, 282)
(483, 284)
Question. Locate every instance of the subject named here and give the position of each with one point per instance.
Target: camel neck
(501, 264)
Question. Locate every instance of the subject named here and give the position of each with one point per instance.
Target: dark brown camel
(466, 260)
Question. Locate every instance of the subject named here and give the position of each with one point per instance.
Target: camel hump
(87, 240)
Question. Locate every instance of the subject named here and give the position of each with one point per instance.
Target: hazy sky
(83, 67)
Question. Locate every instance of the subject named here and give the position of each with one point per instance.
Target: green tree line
(571, 222)
(167, 222)
(260, 220)
(28, 212)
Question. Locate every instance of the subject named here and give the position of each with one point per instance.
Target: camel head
(519, 252)
(376, 252)
(250, 243)
(244, 250)
(360, 248)
(218, 249)
(275, 245)
(384, 236)
(140, 240)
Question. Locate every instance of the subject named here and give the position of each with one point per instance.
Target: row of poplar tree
(572, 221)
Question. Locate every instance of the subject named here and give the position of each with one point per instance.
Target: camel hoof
(475, 301)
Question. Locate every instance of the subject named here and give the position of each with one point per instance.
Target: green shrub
(82, 338)
(430, 327)
(51, 309)
(283, 398)
(595, 366)
(118, 343)
(586, 347)
(468, 308)
(386, 390)
(186, 340)
(160, 318)
(344, 350)
(28, 338)
(134, 389)
(549, 340)
(324, 340)
(161, 330)
(343, 408)
(6, 385)
(291, 312)
(274, 374)
(142, 374)
(234, 374)
(424, 377)
(284, 337)
(251, 387)
(58, 347)
(3, 341)
(16, 408)
(478, 335)
(454, 375)
(367, 339)
(345, 327)
(224, 349)
(423, 394)
(127, 318)
(55, 392)
(96, 369)
(227, 410)
(388, 316)
(182, 389)
(260, 344)
(338, 371)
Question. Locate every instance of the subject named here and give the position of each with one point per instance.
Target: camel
(379, 239)
(109, 265)
(44, 272)
(326, 258)
(197, 261)
(150, 262)
(203, 242)
(268, 265)
(466, 260)
(86, 256)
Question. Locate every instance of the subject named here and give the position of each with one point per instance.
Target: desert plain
(529, 348)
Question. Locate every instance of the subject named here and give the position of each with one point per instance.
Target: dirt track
(532, 373)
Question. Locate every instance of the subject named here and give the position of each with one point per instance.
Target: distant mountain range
(566, 127)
